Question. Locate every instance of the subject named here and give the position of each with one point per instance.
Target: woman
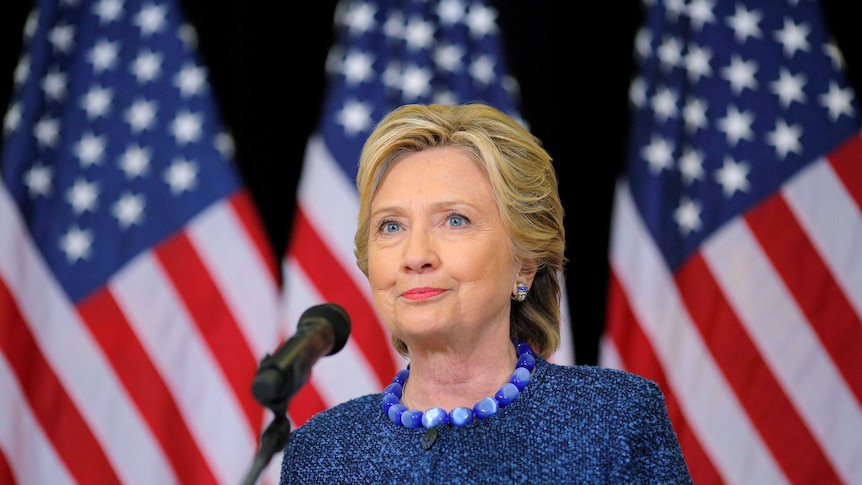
(460, 234)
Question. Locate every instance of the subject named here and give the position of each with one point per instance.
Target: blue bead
(401, 376)
(395, 412)
(527, 361)
(460, 416)
(434, 416)
(520, 378)
(522, 347)
(507, 394)
(395, 389)
(485, 408)
(411, 418)
(389, 400)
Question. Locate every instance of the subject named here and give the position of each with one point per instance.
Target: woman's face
(439, 260)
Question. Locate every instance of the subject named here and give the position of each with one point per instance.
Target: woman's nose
(420, 252)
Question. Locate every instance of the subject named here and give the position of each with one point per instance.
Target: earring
(522, 292)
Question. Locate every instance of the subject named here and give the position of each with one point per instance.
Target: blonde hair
(523, 182)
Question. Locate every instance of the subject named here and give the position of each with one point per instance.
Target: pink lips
(422, 293)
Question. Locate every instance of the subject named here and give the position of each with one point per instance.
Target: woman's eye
(456, 220)
(388, 227)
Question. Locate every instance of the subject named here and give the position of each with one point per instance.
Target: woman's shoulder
(598, 380)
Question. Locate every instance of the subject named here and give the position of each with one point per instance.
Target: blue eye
(456, 220)
(388, 227)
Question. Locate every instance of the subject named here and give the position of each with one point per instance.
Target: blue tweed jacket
(583, 425)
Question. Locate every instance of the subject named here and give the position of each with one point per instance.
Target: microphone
(322, 330)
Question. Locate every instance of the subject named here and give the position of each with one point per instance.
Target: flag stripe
(712, 408)
(819, 297)
(637, 355)
(847, 163)
(207, 310)
(144, 386)
(756, 388)
(322, 269)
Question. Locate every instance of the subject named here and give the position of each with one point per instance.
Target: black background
(573, 61)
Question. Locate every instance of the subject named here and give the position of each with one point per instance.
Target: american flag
(736, 248)
(137, 289)
(386, 53)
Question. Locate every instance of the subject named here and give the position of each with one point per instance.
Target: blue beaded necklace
(412, 418)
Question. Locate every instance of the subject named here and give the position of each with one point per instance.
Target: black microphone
(322, 330)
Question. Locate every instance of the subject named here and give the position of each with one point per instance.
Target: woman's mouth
(422, 293)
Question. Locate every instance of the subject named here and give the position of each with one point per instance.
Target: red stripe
(847, 163)
(5, 470)
(247, 213)
(72, 439)
(336, 286)
(638, 356)
(144, 386)
(781, 428)
(214, 319)
(305, 404)
(819, 296)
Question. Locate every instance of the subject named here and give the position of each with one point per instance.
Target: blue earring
(522, 292)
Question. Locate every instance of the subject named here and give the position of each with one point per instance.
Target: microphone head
(335, 316)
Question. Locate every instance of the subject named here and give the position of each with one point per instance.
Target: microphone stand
(272, 441)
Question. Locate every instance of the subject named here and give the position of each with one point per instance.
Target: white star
(664, 104)
(225, 145)
(76, 243)
(103, 55)
(481, 21)
(38, 179)
(744, 24)
(740, 74)
(419, 34)
(700, 12)
(838, 101)
(22, 70)
(733, 177)
(147, 66)
(736, 125)
(359, 18)
(687, 216)
(785, 139)
(691, 166)
(128, 210)
(697, 63)
(83, 196)
(46, 131)
(355, 117)
(669, 53)
(392, 75)
(188, 36)
(97, 102)
(789, 87)
(357, 67)
(450, 12)
(482, 70)
(416, 82)
(190, 80)
(643, 41)
(12, 118)
(108, 10)
(674, 8)
(181, 176)
(448, 57)
(135, 161)
(445, 97)
(186, 127)
(833, 52)
(394, 26)
(141, 115)
(637, 92)
(90, 149)
(150, 19)
(54, 85)
(658, 154)
(793, 37)
(694, 114)
(62, 37)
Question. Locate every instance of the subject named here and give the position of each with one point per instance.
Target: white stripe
(345, 374)
(609, 355)
(833, 223)
(177, 349)
(787, 343)
(242, 277)
(22, 440)
(332, 206)
(76, 359)
(708, 402)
